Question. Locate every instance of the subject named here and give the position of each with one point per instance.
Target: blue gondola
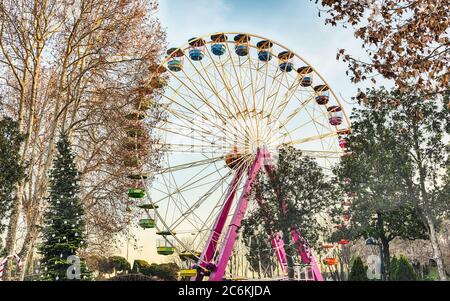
(196, 54)
(264, 56)
(242, 50)
(264, 48)
(175, 65)
(286, 67)
(306, 81)
(306, 78)
(218, 49)
(241, 41)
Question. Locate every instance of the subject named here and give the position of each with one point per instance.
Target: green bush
(393, 268)
(358, 271)
(403, 271)
(119, 263)
(164, 271)
(140, 265)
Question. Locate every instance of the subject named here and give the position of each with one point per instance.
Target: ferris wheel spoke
(203, 198)
(209, 104)
(295, 112)
(186, 166)
(194, 112)
(239, 81)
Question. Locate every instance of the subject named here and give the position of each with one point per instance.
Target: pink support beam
(241, 208)
(277, 243)
(211, 245)
(305, 254)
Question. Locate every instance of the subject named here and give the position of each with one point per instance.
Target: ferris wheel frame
(251, 169)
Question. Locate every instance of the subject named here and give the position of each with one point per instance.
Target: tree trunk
(290, 253)
(437, 255)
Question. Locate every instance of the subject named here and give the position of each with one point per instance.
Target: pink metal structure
(215, 267)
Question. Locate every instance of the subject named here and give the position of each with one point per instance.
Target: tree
(80, 66)
(393, 268)
(11, 167)
(403, 271)
(396, 171)
(406, 40)
(292, 198)
(261, 259)
(358, 271)
(139, 265)
(119, 264)
(164, 271)
(63, 233)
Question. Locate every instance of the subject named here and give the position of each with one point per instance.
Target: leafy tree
(358, 271)
(403, 271)
(305, 192)
(261, 259)
(164, 271)
(11, 168)
(406, 40)
(64, 230)
(119, 264)
(393, 268)
(397, 168)
(139, 265)
(99, 263)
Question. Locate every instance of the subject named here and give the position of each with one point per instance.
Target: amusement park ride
(231, 100)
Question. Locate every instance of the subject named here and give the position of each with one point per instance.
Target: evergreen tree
(404, 271)
(358, 271)
(393, 268)
(11, 169)
(64, 230)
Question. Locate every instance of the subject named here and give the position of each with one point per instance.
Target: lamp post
(373, 242)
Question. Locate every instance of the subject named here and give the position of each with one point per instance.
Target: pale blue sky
(293, 23)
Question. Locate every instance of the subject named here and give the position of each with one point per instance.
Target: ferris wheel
(231, 100)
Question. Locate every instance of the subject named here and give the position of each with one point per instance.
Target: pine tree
(358, 271)
(393, 269)
(404, 270)
(64, 230)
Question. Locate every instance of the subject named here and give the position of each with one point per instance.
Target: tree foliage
(63, 233)
(296, 196)
(11, 167)
(358, 271)
(396, 173)
(406, 40)
(80, 66)
(403, 270)
(164, 271)
(119, 264)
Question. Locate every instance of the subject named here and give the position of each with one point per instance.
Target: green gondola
(138, 176)
(135, 132)
(135, 116)
(165, 233)
(145, 104)
(165, 250)
(136, 193)
(189, 255)
(147, 223)
(131, 161)
(148, 206)
(158, 82)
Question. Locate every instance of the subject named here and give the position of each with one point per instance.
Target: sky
(293, 23)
